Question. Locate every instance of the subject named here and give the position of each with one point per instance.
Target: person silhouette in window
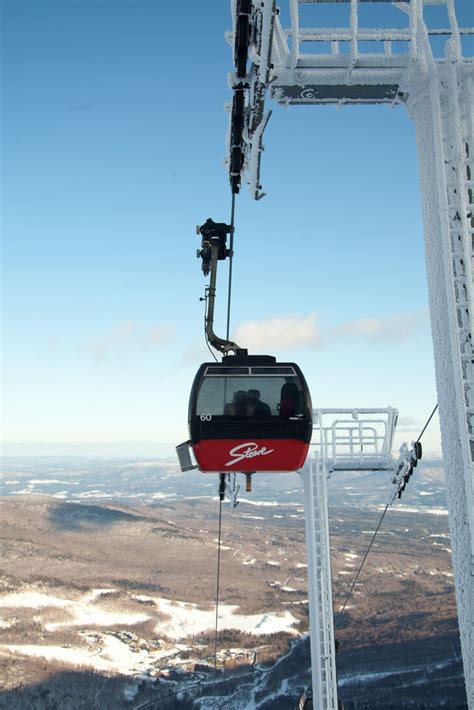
(261, 409)
(240, 405)
(289, 400)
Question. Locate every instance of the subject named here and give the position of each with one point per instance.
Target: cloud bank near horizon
(129, 334)
(278, 332)
(296, 331)
(399, 327)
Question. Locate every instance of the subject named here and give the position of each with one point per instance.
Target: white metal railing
(355, 439)
(353, 34)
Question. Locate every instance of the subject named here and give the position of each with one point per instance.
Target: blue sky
(113, 141)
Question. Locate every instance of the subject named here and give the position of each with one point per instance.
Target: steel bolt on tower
(396, 65)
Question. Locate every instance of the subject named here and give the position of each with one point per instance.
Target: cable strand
(231, 255)
(229, 297)
(217, 592)
(340, 613)
(392, 498)
(205, 332)
(217, 582)
(426, 425)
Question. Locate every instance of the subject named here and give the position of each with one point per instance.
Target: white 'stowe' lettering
(247, 451)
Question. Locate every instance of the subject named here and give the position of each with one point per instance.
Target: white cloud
(283, 332)
(408, 424)
(159, 335)
(197, 352)
(114, 339)
(296, 331)
(400, 327)
(127, 334)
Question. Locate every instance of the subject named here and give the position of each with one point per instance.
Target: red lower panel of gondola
(250, 455)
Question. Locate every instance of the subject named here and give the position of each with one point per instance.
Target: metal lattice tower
(318, 555)
(345, 440)
(389, 53)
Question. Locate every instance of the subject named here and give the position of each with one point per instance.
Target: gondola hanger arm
(214, 249)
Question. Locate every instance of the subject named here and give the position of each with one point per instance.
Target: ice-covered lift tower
(417, 53)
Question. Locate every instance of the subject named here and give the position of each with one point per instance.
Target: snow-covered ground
(184, 619)
(104, 652)
(83, 612)
(174, 619)
(413, 509)
(110, 651)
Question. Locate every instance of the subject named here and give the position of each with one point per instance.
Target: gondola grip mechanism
(214, 249)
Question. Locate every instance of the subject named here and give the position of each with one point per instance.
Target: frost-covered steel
(439, 95)
(355, 439)
(344, 439)
(318, 555)
(442, 109)
(351, 64)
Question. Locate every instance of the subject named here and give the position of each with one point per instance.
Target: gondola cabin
(250, 414)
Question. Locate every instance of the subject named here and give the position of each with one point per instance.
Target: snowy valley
(108, 589)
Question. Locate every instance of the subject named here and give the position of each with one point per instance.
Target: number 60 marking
(206, 417)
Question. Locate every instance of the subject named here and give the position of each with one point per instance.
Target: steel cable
(392, 498)
(217, 581)
(231, 255)
(229, 297)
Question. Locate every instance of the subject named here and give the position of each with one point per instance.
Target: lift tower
(399, 57)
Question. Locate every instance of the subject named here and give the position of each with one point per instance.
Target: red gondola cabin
(250, 414)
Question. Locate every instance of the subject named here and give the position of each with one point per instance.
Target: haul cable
(231, 254)
(428, 421)
(392, 498)
(218, 573)
(222, 475)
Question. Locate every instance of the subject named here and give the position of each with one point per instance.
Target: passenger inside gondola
(239, 406)
(247, 404)
(261, 409)
(289, 401)
(265, 397)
